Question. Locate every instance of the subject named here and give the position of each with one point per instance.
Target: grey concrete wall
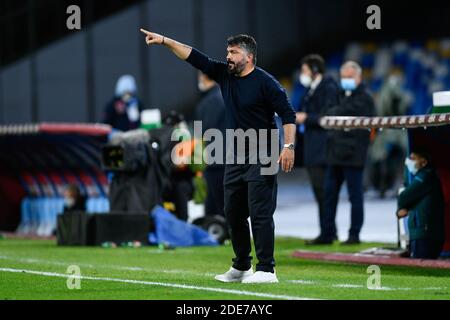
(172, 82)
(16, 93)
(219, 22)
(277, 28)
(116, 43)
(61, 77)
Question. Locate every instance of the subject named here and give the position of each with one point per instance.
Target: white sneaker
(261, 277)
(234, 275)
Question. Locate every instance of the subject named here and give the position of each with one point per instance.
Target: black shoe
(351, 241)
(319, 240)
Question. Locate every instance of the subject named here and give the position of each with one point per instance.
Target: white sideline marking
(87, 265)
(161, 284)
(302, 281)
(347, 285)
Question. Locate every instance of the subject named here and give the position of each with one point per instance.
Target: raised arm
(214, 69)
(181, 50)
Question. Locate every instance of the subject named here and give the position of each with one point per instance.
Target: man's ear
(250, 57)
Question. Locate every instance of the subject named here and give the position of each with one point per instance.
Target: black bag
(119, 227)
(85, 229)
(72, 229)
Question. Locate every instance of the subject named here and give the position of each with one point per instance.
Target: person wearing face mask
(422, 201)
(252, 97)
(322, 93)
(123, 111)
(211, 112)
(73, 200)
(346, 155)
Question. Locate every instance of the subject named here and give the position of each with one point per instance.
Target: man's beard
(236, 68)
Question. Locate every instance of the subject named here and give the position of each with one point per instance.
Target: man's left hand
(402, 213)
(300, 117)
(286, 159)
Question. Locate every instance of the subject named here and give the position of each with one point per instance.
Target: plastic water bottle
(126, 244)
(109, 245)
(165, 246)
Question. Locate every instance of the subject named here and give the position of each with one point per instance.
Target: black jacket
(315, 104)
(115, 114)
(424, 201)
(79, 205)
(349, 147)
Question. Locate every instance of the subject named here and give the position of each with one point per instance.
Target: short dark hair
(315, 62)
(246, 42)
(421, 152)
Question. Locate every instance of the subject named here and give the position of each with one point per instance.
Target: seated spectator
(423, 202)
(123, 111)
(73, 200)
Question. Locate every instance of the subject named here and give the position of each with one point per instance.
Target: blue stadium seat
(39, 214)
(97, 205)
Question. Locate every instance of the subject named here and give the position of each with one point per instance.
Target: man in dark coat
(321, 94)
(346, 155)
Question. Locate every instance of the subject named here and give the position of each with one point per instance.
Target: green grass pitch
(37, 269)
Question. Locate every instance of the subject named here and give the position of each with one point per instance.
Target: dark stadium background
(49, 73)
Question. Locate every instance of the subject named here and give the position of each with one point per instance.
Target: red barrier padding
(76, 128)
(372, 259)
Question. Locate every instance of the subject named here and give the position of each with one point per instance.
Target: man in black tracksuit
(322, 93)
(252, 97)
(346, 155)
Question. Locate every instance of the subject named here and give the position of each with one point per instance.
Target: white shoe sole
(221, 279)
(256, 282)
(273, 279)
(226, 280)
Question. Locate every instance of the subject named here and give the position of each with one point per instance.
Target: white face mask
(348, 84)
(202, 87)
(305, 80)
(133, 112)
(126, 97)
(412, 166)
(69, 202)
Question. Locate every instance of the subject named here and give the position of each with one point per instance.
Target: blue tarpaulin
(175, 232)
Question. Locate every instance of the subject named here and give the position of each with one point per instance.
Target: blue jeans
(334, 177)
